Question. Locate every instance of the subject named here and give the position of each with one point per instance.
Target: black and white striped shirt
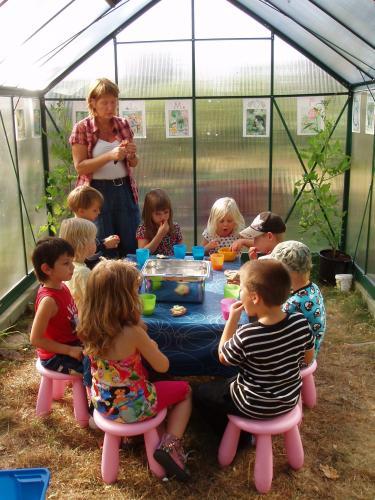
(269, 356)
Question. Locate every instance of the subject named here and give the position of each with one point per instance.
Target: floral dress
(120, 390)
(166, 245)
(222, 241)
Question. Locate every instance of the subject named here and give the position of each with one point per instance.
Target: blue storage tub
(24, 484)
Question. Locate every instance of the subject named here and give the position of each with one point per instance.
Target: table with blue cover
(190, 342)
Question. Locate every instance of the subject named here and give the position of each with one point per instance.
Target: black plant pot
(330, 265)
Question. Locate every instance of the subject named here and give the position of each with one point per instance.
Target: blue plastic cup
(198, 252)
(142, 255)
(179, 250)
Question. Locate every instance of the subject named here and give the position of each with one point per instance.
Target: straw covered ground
(338, 435)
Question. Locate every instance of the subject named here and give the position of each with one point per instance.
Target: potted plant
(62, 175)
(318, 205)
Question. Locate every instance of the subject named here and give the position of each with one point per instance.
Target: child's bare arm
(46, 310)
(156, 240)
(309, 356)
(209, 245)
(151, 352)
(241, 242)
(230, 327)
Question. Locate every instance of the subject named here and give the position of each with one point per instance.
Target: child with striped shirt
(268, 352)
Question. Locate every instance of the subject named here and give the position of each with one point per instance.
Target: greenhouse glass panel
(360, 181)
(154, 70)
(220, 19)
(167, 20)
(233, 68)
(77, 83)
(167, 164)
(371, 242)
(229, 164)
(12, 263)
(30, 163)
(286, 168)
(296, 74)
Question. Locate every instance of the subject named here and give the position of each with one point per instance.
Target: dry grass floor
(338, 435)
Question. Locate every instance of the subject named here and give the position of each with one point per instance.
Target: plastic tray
(24, 484)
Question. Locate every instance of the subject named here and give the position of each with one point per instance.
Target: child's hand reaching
(236, 246)
(253, 253)
(212, 245)
(163, 228)
(235, 311)
(76, 352)
(112, 241)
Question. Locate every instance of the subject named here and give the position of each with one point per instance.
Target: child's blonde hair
(221, 208)
(78, 232)
(111, 302)
(84, 197)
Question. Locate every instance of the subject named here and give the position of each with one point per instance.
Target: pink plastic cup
(225, 307)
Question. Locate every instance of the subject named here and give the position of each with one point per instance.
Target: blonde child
(223, 226)
(53, 332)
(114, 337)
(267, 352)
(81, 234)
(158, 232)
(305, 296)
(263, 234)
(86, 203)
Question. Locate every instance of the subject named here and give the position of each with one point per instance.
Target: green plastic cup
(231, 291)
(148, 301)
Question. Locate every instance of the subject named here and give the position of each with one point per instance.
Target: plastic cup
(198, 252)
(344, 282)
(231, 291)
(225, 307)
(179, 250)
(156, 282)
(148, 301)
(142, 255)
(217, 260)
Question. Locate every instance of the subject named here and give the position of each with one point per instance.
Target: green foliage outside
(318, 205)
(62, 175)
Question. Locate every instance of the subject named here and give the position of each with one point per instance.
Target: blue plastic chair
(21, 484)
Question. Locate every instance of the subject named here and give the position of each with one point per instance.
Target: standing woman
(104, 156)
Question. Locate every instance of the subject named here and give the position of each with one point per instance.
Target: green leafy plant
(62, 175)
(318, 205)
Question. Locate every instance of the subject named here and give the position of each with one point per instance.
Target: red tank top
(62, 327)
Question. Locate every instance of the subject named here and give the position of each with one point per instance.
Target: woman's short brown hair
(101, 86)
(268, 278)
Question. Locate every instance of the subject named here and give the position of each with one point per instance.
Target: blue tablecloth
(191, 341)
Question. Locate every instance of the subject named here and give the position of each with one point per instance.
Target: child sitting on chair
(267, 352)
(223, 226)
(53, 332)
(263, 234)
(116, 341)
(305, 296)
(81, 234)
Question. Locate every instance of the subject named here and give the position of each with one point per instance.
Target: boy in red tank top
(53, 332)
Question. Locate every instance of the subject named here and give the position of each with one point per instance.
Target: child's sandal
(170, 455)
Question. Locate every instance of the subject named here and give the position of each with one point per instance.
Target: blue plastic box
(24, 484)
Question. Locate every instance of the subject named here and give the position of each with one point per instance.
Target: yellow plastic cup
(148, 301)
(231, 291)
(217, 260)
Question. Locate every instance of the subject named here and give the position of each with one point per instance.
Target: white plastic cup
(344, 282)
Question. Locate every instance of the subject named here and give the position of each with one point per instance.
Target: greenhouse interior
(218, 60)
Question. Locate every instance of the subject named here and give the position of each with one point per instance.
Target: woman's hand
(112, 241)
(118, 153)
(130, 148)
(163, 228)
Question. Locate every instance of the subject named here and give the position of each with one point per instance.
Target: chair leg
(81, 410)
(263, 469)
(110, 458)
(44, 401)
(58, 389)
(228, 444)
(152, 440)
(308, 391)
(294, 448)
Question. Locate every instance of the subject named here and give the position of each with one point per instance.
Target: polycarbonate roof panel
(317, 33)
(59, 41)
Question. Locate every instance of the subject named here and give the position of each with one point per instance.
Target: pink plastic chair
(52, 386)
(113, 432)
(308, 390)
(263, 430)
